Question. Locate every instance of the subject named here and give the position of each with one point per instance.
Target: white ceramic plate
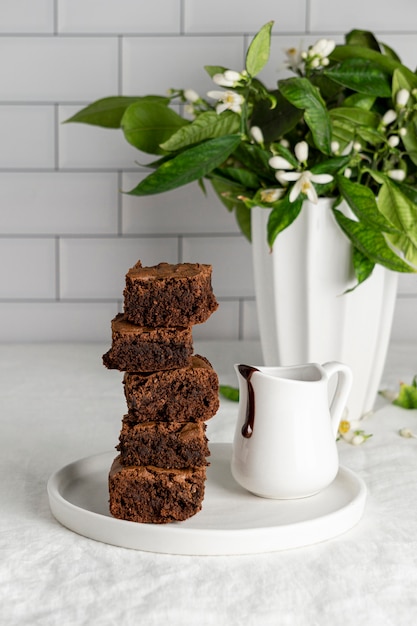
(232, 520)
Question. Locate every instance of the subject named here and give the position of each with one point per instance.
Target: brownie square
(169, 295)
(140, 349)
(185, 394)
(155, 495)
(163, 444)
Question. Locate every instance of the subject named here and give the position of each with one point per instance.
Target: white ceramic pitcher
(285, 439)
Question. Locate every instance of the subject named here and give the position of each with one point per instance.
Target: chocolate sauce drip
(247, 429)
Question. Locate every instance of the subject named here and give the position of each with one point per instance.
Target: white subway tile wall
(68, 232)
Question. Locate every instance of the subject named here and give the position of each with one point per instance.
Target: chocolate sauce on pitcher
(247, 429)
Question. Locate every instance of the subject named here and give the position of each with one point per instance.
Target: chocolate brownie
(141, 349)
(155, 495)
(185, 394)
(163, 444)
(169, 295)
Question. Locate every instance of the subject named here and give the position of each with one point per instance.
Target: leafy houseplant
(344, 126)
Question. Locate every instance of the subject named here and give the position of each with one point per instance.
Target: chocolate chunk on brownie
(169, 295)
(141, 349)
(185, 394)
(155, 495)
(163, 444)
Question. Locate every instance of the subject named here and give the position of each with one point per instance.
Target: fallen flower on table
(406, 397)
(352, 433)
(407, 433)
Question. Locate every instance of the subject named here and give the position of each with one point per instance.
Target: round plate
(232, 520)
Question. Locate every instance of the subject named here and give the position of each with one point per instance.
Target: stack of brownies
(159, 475)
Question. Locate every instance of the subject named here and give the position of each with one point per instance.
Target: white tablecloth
(59, 404)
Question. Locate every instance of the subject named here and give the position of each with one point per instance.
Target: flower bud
(257, 135)
(393, 141)
(397, 175)
(191, 95)
(402, 97)
(389, 117)
(279, 163)
(271, 195)
(301, 151)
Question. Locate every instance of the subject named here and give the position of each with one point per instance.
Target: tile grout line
(57, 270)
(55, 18)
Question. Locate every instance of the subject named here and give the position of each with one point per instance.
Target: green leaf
(388, 51)
(370, 135)
(341, 53)
(371, 243)
(282, 215)
(108, 112)
(245, 178)
(356, 116)
(303, 95)
(146, 125)
(331, 166)
(402, 80)
(362, 266)
(208, 125)
(277, 121)
(410, 141)
(362, 201)
(363, 76)
(362, 38)
(226, 190)
(231, 393)
(360, 101)
(402, 213)
(255, 159)
(243, 218)
(258, 52)
(407, 397)
(192, 164)
(212, 70)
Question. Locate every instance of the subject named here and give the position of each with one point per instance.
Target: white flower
(317, 55)
(322, 48)
(347, 173)
(402, 97)
(398, 175)
(402, 132)
(257, 135)
(303, 184)
(335, 147)
(357, 146)
(389, 117)
(228, 100)
(351, 432)
(191, 95)
(271, 195)
(294, 58)
(301, 151)
(279, 176)
(229, 78)
(304, 179)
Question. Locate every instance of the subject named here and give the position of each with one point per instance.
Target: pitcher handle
(344, 384)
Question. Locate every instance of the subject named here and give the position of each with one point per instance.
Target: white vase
(303, 313)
